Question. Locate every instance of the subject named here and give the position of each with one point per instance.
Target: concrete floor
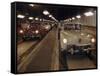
(45, 56)
(79, 62)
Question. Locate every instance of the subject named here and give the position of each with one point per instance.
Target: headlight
(64, 41)
(36, 31)
(21, 31)
(93, 40)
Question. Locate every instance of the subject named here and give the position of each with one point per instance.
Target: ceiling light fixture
(78, 16)
(45, 12)
(20, 16)
(88, 13)
(73, 18)
(32, 5)
(30, 18)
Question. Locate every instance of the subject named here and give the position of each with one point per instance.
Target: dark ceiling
(60, 12)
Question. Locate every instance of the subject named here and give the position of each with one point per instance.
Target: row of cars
(34, 31)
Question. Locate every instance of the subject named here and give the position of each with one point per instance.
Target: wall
(85, 20)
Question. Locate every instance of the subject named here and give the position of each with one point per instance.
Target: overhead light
(50, 15)
(73, 18)
(64, 41)
(36, 18)
(45, 12)
(32, 5)
(88, 13)
(36, 31)
(30, 18)
(20, 16)
(21, 31)
(78, 16)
